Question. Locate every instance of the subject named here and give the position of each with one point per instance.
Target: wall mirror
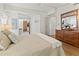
(69, 20)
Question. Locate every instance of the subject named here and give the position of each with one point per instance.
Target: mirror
(69, 20)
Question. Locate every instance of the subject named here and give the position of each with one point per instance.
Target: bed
(34, 45)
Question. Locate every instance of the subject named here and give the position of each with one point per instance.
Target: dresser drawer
(71, 37)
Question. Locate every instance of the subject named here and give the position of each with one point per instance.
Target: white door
(52, 26)
(35, 24)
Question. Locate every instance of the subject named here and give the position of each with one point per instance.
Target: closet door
(51, 26)
(35, 24)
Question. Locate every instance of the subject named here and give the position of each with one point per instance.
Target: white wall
(51, 22)
(56, 23)
(43, 24)
(50, 25)
(14, 12)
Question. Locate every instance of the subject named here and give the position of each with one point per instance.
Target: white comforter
(33, 45)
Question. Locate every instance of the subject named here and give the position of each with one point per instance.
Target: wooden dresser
(71, 37)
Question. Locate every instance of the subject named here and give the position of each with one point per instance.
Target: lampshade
(4, 18)
(7, 27)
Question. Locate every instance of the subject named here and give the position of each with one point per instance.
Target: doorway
(25, 26)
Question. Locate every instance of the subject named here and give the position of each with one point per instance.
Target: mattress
(32, 45)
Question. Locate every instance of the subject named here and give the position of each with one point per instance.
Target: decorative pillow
(12, 37)
(4, 41)
(6, 32)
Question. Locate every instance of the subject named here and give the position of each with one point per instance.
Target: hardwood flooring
(69, 49)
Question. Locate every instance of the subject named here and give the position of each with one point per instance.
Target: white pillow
(4, 41)
(13, 37)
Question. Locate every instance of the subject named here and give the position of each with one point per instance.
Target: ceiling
(43, 7)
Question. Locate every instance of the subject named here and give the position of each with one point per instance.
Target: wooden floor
(69, 49)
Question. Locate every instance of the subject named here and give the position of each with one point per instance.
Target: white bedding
(55, 43)
(32, 45)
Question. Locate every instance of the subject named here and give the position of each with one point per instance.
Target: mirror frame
(68, 14)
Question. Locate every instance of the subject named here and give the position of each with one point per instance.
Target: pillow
(4, 41)
(6, 32)
(12, 37)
